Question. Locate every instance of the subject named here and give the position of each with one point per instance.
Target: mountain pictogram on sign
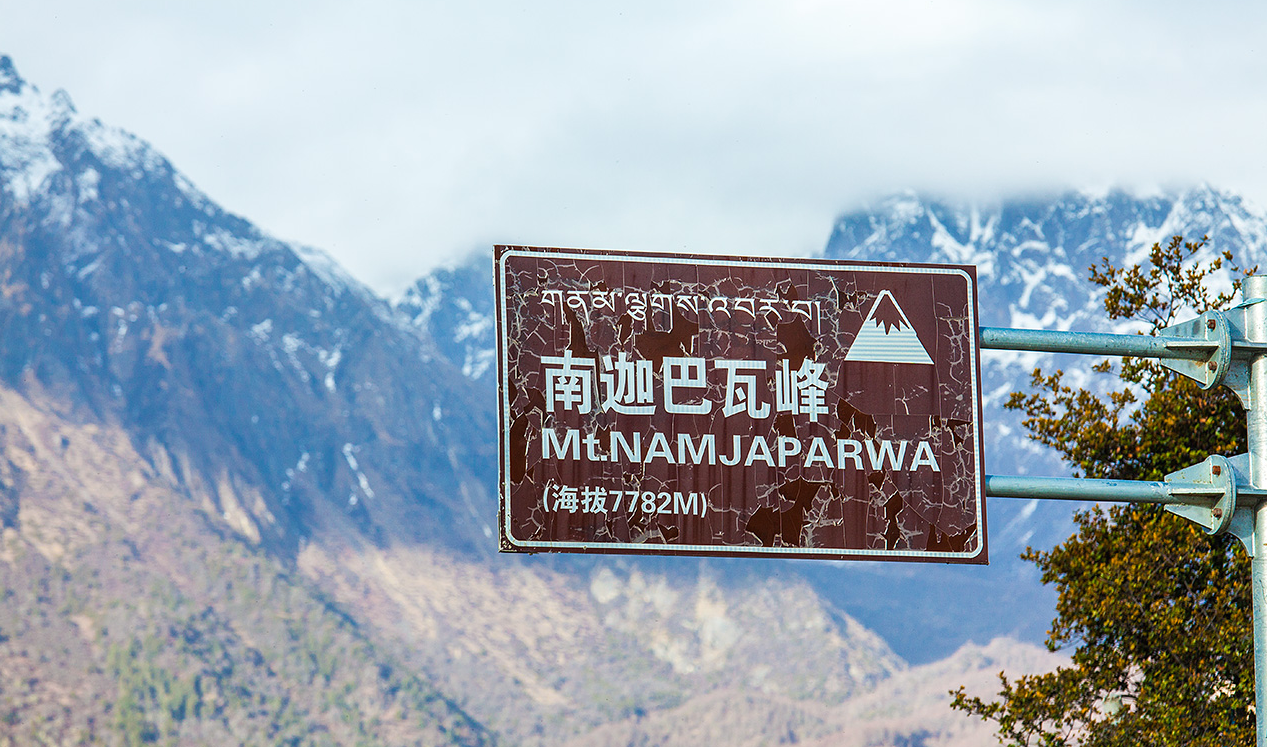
(887, 336)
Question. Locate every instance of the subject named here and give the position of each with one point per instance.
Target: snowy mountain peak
(202, 332)
(89, 179)
(454, 308)
(10, 81)
(1034, 251)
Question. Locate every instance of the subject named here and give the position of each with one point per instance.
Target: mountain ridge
(176, 263)
(305, 438)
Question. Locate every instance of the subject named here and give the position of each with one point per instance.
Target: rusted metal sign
(667, 404)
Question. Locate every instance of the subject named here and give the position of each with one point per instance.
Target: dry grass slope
(131, 616)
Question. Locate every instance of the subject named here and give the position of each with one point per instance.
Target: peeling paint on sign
(665, 404)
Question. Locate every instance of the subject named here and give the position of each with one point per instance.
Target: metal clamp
(1209, 333)
(1215, 478)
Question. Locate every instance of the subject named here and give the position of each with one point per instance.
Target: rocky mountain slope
(243, 498)
(910, 709)
(133, 614)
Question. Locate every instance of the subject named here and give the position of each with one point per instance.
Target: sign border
(509, 543)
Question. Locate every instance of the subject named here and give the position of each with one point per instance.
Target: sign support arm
(1113, 491)
(1094, 343)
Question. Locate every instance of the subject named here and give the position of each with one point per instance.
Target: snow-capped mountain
(1032, 254)
(249, 355)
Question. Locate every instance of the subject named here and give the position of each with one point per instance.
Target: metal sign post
(1221, 494)
(1255, 291)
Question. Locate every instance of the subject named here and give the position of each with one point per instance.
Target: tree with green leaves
(1158, 613)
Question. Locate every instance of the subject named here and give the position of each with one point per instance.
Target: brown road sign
(666, 404)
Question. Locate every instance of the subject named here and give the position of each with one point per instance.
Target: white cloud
(398, 134)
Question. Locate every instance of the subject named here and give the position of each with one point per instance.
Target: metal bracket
(1223, 335)
(1215, 472)
(1209, 332)
(1243, 350)
(1233, 508)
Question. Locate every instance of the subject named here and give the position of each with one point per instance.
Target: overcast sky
(401, 135)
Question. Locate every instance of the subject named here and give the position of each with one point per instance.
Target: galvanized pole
(1256, 330)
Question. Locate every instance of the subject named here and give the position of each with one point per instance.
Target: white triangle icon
(886, 337)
